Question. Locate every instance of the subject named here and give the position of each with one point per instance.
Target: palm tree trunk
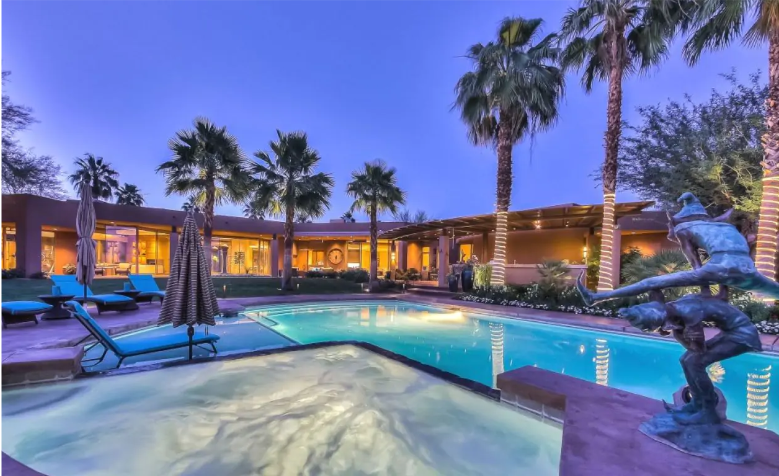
(289, 238)
(374, 248)
(208, 225)
(505, 177)
(768, 226)
(607, 277)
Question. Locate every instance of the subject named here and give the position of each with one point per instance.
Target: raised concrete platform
(600, 429)
(42, 365)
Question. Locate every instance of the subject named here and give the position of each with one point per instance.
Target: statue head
(692, 210)
(648, 317)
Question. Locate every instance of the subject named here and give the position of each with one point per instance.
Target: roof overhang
(561, 216)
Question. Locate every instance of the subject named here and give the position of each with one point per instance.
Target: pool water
(330, 411)
(478, 347)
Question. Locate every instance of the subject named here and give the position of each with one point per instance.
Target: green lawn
(29, 289)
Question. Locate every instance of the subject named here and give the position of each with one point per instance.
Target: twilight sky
(365, 80)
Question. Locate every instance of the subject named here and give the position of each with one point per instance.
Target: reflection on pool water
(477, 347)
(337, 410)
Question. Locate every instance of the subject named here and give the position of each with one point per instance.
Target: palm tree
(348, 217)
(609, 40)
(98, 173)
(207, 164)
(714, 25)
(290, 186)
(375, 190)
(129, 195)
(406, 216)
(190, 204)
(512, 92)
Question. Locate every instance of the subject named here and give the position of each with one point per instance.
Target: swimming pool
(478, 347)
(330, 411)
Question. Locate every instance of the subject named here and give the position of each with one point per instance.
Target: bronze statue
(697, 427)
(729, 261)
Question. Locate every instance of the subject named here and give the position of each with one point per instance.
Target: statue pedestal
(715, 441)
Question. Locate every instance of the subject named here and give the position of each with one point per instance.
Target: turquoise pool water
(478, 347)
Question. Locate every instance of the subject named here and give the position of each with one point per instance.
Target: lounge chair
(104, 302)
(148, 287)
(16, 312)
(124, 350)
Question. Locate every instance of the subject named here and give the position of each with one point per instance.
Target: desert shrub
(330, 274)
(658, 264)
(482, 275)
(554, 275)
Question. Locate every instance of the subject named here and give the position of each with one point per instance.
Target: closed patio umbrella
(85, 246)
(190, 297)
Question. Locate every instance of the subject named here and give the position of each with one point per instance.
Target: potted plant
(453, 278)
(467, 274)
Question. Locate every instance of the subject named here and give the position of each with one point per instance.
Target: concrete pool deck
(590, 448)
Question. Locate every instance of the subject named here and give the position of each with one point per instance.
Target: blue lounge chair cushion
(110, 298)
(25, 307)
(69, 285)
(156, 344)
(145, 283)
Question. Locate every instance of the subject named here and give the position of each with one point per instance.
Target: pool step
(430, 291)
(44, 365)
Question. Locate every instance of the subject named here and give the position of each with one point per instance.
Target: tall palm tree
(98, 173)
(129, 194)
(348, 217)
(512, 92)
(609, 40)
(375, 190)
(288, 185)
(714, 25)
(207, 164)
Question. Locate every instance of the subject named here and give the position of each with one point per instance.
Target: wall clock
(335, 256)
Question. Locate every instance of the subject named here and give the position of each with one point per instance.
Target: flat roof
(559, 216)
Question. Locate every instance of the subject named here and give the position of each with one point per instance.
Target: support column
(174, 245)
(28, 246)
(485, 247)
(401, 250)
(616, 265)
(274, 256)
(443, 260)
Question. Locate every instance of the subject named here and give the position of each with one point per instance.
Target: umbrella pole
(190, 333)
(84, 274)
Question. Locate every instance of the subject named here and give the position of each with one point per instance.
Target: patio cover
(570, 215)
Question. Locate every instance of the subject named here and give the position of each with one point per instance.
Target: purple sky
(365, 80)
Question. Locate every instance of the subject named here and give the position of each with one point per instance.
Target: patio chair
(104, 302)
(125, 350)
(123, 269)
(17, 312)
(148, 287)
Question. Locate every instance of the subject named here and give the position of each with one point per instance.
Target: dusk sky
(365, 80)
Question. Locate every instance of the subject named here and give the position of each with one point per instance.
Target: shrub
(385, 285)
(314, 274)
(658, 264)
(330, 274)
(554, 275)
(13, 273)
(38, 275)
(356, 275)
(482, 275)
(413, 274)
